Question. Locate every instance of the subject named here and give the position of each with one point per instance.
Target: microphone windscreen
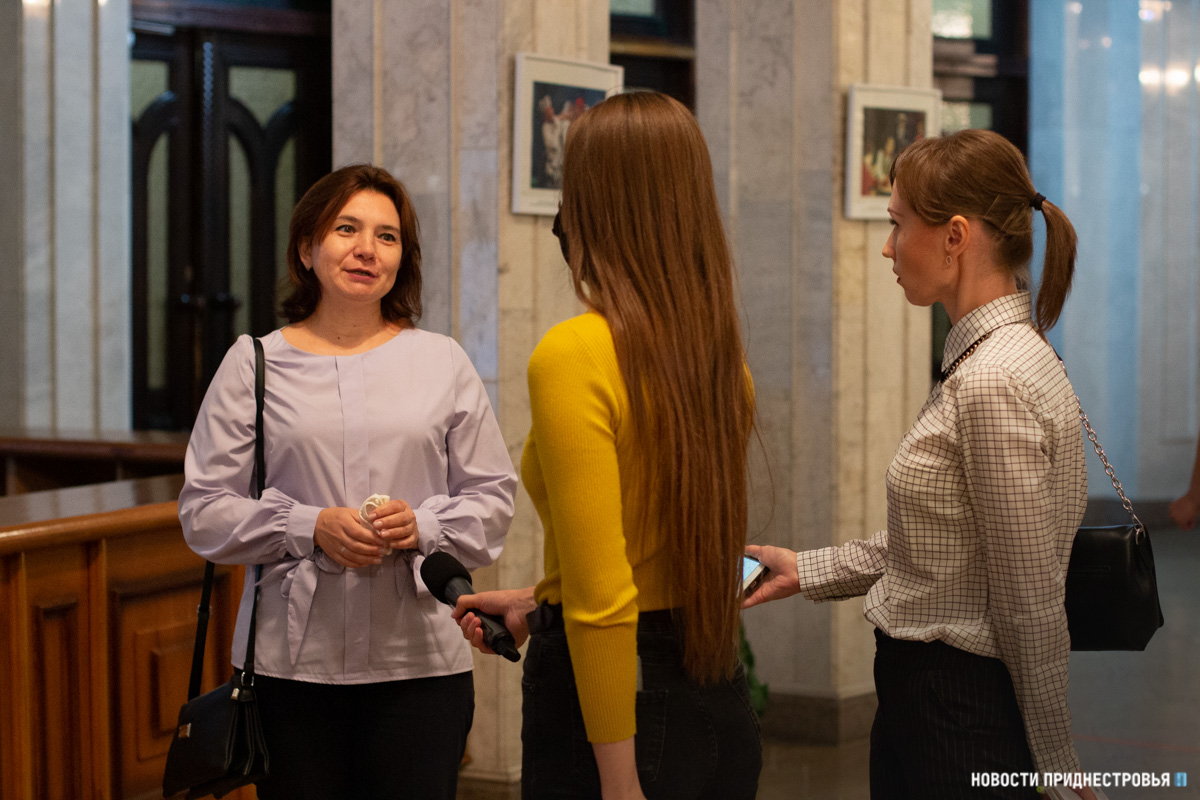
(438, 569)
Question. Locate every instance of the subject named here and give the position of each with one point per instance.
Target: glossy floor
(1133, 712)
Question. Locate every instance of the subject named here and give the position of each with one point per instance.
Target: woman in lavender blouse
(364, 683)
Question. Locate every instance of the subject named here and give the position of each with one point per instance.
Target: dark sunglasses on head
(557, 230)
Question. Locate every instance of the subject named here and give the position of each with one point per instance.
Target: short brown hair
(313, 218)
(980, 174)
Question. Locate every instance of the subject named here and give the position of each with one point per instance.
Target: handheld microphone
(447, 580)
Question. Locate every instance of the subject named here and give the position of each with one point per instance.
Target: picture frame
(880, 122)
(550, 93)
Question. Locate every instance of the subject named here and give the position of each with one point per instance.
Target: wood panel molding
(58, 727)
(97, 620)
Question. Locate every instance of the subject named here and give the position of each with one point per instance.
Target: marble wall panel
(112, 216)
(762, 148)
(12, 274)
(593, 32)
(556, 29)
(888, 40)
(716, 73)
(416, 133)
(476, 232)
(814, 446)
(476, 44)
(38, 401)
(553, 290)
(354, 57)
(920, 45)
(518, 234)
(73, 239)
(766, 116)
(853, 651)
(850, 36)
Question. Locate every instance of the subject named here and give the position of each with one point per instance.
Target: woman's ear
(304, 249)
(958, 235)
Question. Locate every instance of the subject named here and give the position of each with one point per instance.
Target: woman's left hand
(396, 524)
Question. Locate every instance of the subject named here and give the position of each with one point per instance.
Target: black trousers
(943, 714)
(393, 740)
(693, 742)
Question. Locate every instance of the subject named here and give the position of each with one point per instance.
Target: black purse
(1112, 591)
(219, 744)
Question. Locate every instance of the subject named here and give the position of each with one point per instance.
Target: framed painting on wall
(550, 94)
(881, 121)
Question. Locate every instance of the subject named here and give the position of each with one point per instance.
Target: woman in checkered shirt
(965, 587)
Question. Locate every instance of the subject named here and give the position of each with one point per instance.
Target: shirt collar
(985, 319)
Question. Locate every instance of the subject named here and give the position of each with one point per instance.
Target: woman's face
(918, 253)
(358, 259)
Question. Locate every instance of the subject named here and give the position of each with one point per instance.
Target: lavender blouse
(409, 419)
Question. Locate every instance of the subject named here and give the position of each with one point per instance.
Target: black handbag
(219, 744)
(1112, 592)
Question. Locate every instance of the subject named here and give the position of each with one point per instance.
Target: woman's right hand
(345, 539)
(511, 604)
(783, 580)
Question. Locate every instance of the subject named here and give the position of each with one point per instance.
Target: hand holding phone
(779, 577)
(753, 574)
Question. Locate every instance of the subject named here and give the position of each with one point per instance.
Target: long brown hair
(980, 174)
(647, 250)
(312, 220)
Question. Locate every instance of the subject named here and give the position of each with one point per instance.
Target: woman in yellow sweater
(642, 494)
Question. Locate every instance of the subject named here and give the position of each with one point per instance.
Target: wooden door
(231, 123)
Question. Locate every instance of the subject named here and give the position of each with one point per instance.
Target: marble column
(64, 201)
(840, 360)
(424, 88)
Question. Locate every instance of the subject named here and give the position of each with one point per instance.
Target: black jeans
(693, 742)
(943, 714)
(393, 740)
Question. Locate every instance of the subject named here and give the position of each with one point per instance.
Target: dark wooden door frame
(200, 46)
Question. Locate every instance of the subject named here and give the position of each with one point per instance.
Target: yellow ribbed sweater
(601, 564)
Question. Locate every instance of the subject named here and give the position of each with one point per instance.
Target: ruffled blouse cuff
(429, 531)
(301, 526)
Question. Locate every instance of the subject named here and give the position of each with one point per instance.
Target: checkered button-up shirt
(985, 494)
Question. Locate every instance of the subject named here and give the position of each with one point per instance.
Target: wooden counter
(35, 459)
(98, 596)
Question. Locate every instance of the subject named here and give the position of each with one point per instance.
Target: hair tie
(1036, 202)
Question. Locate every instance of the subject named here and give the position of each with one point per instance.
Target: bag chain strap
(1108, 470)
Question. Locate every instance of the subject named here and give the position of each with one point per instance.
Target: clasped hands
(345, 539)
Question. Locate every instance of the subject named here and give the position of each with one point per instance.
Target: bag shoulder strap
(1108, 468)
(260, 471)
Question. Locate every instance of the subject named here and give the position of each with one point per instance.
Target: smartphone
(753, 573)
